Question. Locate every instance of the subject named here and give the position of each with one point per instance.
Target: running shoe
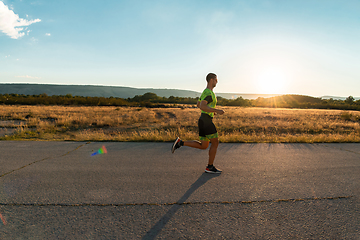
(176, 145)
(212, 170)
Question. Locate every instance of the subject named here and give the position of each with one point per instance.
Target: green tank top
(210, 97)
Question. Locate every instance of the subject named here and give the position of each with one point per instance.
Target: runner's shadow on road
(156, 229)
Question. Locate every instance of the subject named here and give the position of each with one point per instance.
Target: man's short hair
(210, 76)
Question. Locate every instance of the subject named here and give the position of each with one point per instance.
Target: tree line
(152, 100)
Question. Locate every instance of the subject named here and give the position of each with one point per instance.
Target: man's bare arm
(206, 108)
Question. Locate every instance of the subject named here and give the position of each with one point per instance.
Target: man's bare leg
(197, 144)
(212, 151)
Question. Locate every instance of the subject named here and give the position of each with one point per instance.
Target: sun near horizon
(271, 81)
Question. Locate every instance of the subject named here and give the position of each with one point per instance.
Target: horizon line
(101, 85)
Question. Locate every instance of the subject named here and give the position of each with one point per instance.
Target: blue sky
(254, 46)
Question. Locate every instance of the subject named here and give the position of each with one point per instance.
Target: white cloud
(11, 24)
(48, 34)
(27, 76)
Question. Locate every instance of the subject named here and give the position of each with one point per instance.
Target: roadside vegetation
(151, 100)
(124, 123)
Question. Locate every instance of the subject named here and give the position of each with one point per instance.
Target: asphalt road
(57, 190)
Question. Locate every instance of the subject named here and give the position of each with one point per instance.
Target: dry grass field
(164, 124)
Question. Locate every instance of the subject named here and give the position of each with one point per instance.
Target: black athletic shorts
(207, 129)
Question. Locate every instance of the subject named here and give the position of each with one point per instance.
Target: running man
(207, 129)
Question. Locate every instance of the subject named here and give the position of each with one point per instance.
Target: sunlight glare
(271, 81)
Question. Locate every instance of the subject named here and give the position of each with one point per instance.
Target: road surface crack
(41, 161)
(173, 203)
(341, 149)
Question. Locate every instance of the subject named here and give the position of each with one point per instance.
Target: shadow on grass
(156, 229)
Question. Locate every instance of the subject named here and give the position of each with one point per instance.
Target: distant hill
(338, 98)
(108, 91)
(90, 90)
(121, 92)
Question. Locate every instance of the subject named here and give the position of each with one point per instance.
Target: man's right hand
(221, 112)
